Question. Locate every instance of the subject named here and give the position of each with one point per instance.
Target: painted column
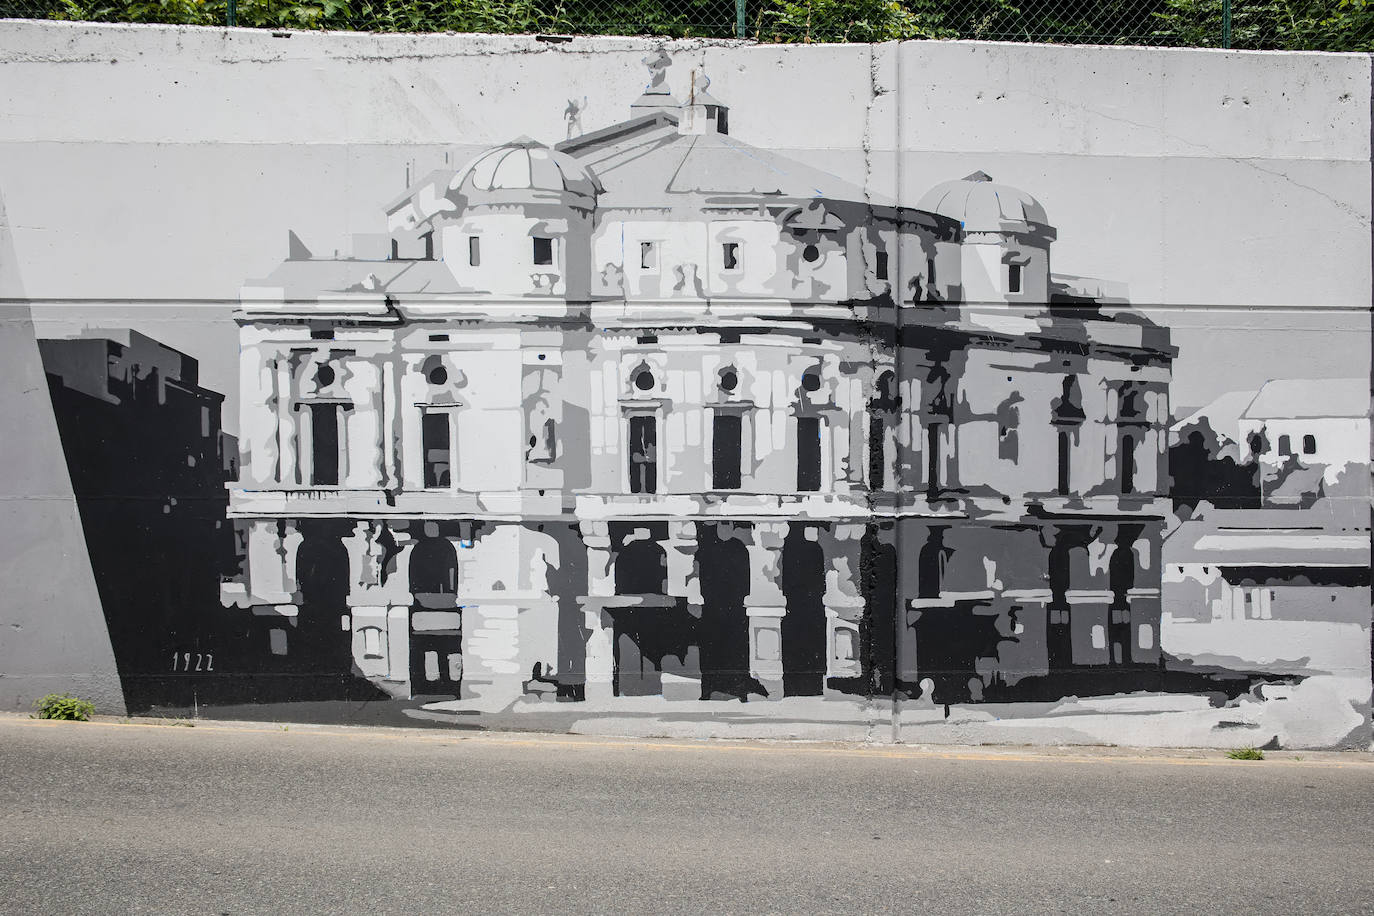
(844, 600)
(600, 664)
(765, 605)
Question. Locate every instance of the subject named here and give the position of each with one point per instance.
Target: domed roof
(982, 205)
(525, 170)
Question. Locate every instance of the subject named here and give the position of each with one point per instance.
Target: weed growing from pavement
(1246, 753)
(64, 706)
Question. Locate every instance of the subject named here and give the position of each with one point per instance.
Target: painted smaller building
(1267, 564)
(1316, 427)
(148, 463)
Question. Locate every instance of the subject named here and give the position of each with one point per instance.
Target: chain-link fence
(1333, 25)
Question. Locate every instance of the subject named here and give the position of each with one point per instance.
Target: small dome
(982, 205)
(526, 170)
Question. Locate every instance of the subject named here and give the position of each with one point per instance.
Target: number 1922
(181, 661)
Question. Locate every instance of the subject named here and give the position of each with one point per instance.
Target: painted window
(880, 265)
(1013, 278)
(1285, 445)
(727, 437)
(1145, 636)
(648, 255)
(1309, 445)
(543, 251)
(324, 445)
(1126, 460)
(729, 253)
(643, 454)
(372, 642)
(474, 251)
(641, 567)
(808, 454)
(437, 446)
(935, 458)
(877, 451)
(1065, 450)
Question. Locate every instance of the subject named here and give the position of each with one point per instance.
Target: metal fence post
(231, 16)
(1225, 23)
(739, 18)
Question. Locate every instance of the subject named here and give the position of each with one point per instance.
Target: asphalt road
(154, 818)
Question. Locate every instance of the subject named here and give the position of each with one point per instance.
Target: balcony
(333, 502)
(719, 504)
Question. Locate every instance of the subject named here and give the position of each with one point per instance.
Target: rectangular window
(935, 465)
(643, 454)
(436, 443)
(1309, 445)
(877, 453)
(648, 255)
(880, 265)
(729, 253)
(1127, 459)
(475, 251)
(1014, 278)
(808, 454)
(1065, 444)
(1285, 445)
(727, 436)
(324, 445)
(543, 251)
(930, 272)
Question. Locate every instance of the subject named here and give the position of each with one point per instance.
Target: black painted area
(148, 469)
(803, 628)
(724, 631)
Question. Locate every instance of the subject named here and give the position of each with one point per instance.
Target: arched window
(641, 568)
(1309, 445)
(1285, 445)
(434, 567)
(930, 566)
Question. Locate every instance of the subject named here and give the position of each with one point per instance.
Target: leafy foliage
(1291, 25)
(1246, 753)
(1327, 25)
(64, 706)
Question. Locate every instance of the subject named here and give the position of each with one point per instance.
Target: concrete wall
(152, 177)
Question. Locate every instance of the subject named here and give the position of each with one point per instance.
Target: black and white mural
(646, 428)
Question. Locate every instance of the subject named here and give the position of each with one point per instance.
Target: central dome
(525, 171)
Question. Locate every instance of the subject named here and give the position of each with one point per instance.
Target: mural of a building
(653, 412)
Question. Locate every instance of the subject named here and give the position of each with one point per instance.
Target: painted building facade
(655, 412)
